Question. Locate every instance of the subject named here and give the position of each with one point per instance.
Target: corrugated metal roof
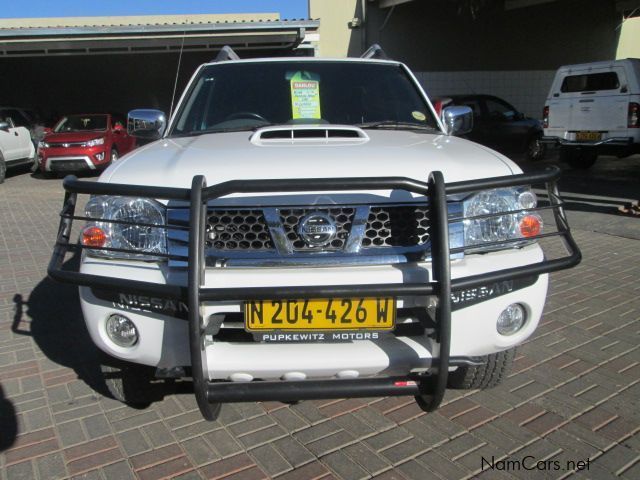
(75, 36)
(133, 20)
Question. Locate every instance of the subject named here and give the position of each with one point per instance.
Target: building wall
(629, 44)
(512, 53)
(432, 36)
(337, 36)
(524, 89)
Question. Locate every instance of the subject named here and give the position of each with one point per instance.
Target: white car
(308, 228)
(594, 109)
(16, 147)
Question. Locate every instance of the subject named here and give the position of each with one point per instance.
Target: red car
(84, 142)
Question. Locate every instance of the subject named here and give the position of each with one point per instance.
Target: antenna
(175, 83)
(226, 53)
(375, 51)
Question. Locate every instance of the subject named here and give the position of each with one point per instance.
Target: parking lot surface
(568, 409)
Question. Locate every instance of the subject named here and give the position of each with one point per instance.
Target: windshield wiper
(395, 125)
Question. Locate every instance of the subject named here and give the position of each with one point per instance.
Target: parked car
(594, 109)
(84, 142)
(16, 147)
(308, 228)
(499, 125)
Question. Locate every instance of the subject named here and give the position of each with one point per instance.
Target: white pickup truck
(594, 109)
(308, 228)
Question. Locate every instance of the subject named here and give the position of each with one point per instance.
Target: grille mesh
(237, 230)
(247, 229)
(343, 217)
(404, 226)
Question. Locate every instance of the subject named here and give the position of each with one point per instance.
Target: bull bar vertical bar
(194, 281)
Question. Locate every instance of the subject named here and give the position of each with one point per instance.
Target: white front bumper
(164, 339)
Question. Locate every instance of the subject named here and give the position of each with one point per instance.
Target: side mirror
(147, 124)
(457, 120)
(4, 126)
(118, 128)
(47, 130)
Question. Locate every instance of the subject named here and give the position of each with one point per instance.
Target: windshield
(246, 96)
(82, 123)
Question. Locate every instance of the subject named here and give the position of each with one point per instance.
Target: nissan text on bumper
(293, 260)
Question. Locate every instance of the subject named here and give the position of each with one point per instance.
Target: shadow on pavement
(53, 318)
(8, 422)
(611, 183)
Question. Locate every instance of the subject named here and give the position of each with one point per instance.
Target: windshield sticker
(419, 116)
(305, 95)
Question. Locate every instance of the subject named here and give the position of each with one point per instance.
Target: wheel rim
(114, 155)
(535, 148)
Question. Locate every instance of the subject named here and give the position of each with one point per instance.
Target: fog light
(100, 156)
(122, 331)
(511, 319)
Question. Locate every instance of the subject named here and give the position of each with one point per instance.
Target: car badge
(317, 229)
(66, 145)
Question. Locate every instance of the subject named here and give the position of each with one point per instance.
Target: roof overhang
(158, 38)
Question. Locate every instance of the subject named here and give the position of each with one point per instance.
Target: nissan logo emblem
(317, 229)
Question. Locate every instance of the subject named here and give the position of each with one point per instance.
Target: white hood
(233, 156)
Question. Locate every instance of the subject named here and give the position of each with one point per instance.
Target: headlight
(131, 227)
(486, 227)
(43, 144)
(95, 142)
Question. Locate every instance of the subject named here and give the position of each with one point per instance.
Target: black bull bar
(428, 389)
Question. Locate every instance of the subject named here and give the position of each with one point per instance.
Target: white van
(592, 109)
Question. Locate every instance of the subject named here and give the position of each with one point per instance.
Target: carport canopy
(127, 35)
(56, 66)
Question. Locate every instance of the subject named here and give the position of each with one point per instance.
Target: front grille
(274, 231)
(67, 144)
(68, 165)
(343, 217)
(396, 226)
(237, 230)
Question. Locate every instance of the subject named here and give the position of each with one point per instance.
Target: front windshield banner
(305, 95)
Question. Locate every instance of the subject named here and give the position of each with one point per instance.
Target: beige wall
(336, 37)
(629, 44)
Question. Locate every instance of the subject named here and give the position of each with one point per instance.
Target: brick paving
(572, 397)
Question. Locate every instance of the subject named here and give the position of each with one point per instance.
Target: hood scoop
(309, 134)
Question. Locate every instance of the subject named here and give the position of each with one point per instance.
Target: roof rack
(375, 51)
(225, 54)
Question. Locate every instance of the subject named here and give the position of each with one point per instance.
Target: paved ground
(569, 408)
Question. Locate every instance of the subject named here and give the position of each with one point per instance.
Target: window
(499, 110)
(82, 123)
(251, 95)
(18, 118)
(590, 82)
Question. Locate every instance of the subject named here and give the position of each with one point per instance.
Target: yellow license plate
(321, 314)
(588, 136)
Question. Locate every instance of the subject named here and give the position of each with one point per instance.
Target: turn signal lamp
(530, 226)
(94, 237)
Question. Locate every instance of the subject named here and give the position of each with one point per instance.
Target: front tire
(535, 149)
(3, 168)
(131, 383)
(488, 375)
